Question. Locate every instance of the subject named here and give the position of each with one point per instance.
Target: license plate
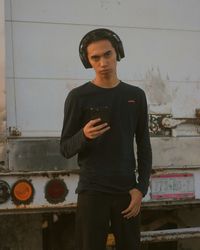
(172, 186)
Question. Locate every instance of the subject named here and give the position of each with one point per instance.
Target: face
(102, 56)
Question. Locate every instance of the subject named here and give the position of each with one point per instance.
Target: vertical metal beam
(2, 87)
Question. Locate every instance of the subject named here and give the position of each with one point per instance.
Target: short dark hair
(98, 35)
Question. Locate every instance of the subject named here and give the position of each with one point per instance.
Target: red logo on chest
(131, 101)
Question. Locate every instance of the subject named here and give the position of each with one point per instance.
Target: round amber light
(22, 192)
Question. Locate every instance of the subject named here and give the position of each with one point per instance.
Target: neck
(105, 82)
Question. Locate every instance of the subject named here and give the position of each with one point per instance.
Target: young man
(101, 120)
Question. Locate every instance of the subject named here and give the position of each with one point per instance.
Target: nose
(103, 62)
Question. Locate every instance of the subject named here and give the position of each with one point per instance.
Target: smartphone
(100, 112)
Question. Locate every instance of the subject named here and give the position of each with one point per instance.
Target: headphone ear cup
(119, 46)
(121, 53)
(83, 57)
(85, 61)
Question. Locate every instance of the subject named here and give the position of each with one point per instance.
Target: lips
(105, 71)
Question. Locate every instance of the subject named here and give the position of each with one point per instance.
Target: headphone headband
(96, 35)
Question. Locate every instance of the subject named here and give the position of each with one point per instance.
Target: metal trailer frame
(2, 87)
(163, 235)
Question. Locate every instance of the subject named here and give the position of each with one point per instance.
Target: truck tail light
(22, 192)
(4, 191)
(55, 191)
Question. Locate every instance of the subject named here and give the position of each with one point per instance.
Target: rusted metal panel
(176, 152)
(38, 155)
(43, 154)
(170, 204)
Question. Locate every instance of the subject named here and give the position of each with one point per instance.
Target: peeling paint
(185, 99)
(157, 89)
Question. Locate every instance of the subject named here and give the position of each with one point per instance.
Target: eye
(95, 58)
(108, 54)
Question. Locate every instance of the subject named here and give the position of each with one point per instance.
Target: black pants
(96, 212)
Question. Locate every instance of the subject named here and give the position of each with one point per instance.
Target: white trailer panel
(138, 13)
(51, 51)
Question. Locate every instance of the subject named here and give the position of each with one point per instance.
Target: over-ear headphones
(96, 35)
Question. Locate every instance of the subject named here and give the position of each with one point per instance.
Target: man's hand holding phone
(94, 128)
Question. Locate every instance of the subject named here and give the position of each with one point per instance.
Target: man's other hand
(135, 204)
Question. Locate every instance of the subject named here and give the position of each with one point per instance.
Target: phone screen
(100, 112)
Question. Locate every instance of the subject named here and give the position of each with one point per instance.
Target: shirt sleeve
(72, 139)
(144, 152)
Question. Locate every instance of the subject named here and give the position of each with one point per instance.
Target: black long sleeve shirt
(108, 162)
